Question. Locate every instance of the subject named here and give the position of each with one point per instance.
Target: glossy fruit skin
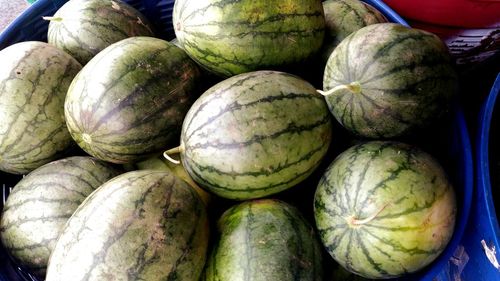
(255, 134)
(387, 80)
(41, 203)
(34, 79)
(232, 37)
(384, 209)
(83, 28)
(141, 225)
(264, 240)
(129, 101)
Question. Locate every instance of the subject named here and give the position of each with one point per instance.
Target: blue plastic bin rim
(483, 166)
(440, 263)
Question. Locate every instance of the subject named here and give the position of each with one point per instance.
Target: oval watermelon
(34, 79)
(344, 17)
(384, 209)
(387, 80)
(129, 101)
(255, 134)
(141, 225)
(83, 28)
(231, 37)
(264, 240)
(40, 204)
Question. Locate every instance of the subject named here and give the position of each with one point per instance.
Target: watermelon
(129, 101)
(344, 17)
(83, 28)
(384, 209)
(264, 240)
(160, 163)
(40, 204)
(255, 134)
(141, 225)
(387, 80)
(232, 37)
(34, 79)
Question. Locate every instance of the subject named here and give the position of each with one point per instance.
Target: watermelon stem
(52, 18)
(175, 150)
(354, 87)
(353, 221)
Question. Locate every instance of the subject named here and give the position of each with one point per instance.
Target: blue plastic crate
(31, 26)
(482, 235)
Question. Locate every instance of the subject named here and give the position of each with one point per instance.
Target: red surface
(459, 13)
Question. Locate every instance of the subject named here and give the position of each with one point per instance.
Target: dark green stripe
(234, 106)
(274, 185)
(426, 62)
(290, 129)
(249, 256)
(254, 34)
(130, 99)
(99, 258)
(263, 172)
(376, 266)
(383, 51)
(62, 201)
(337, 240)
(396, 246)
(19, 222)
(393, 114)
(22, 156)
(44, 243)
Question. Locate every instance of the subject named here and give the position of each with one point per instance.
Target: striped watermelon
(141, 225)
(387, 80)
(255, 134)
(231, 37)
(34, 79)
(264, 240)
(129, 101)
(344, 17)
(40, 204)
(384, 209)
(83, 28)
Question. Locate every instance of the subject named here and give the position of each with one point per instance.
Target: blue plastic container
(31, 26)
(483, 233)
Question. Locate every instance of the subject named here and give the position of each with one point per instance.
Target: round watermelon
(344, 17)
(384, 209)
(83, 28)
(40, 204)
(141, 225)
(34, 79)
(231, 37)
(264, 240)
(129, 101)
(255, 134)
(387, 80)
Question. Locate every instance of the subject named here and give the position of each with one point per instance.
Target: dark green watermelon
(34, 79)
(255, 134)
(231, 37)
(387, 80)
(129, 101)
(344, 17)
(264, 240)
(83, 28)
(40, 204)
(385, 209)
(142, 225)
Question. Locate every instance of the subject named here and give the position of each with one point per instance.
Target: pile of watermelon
(273, 140)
